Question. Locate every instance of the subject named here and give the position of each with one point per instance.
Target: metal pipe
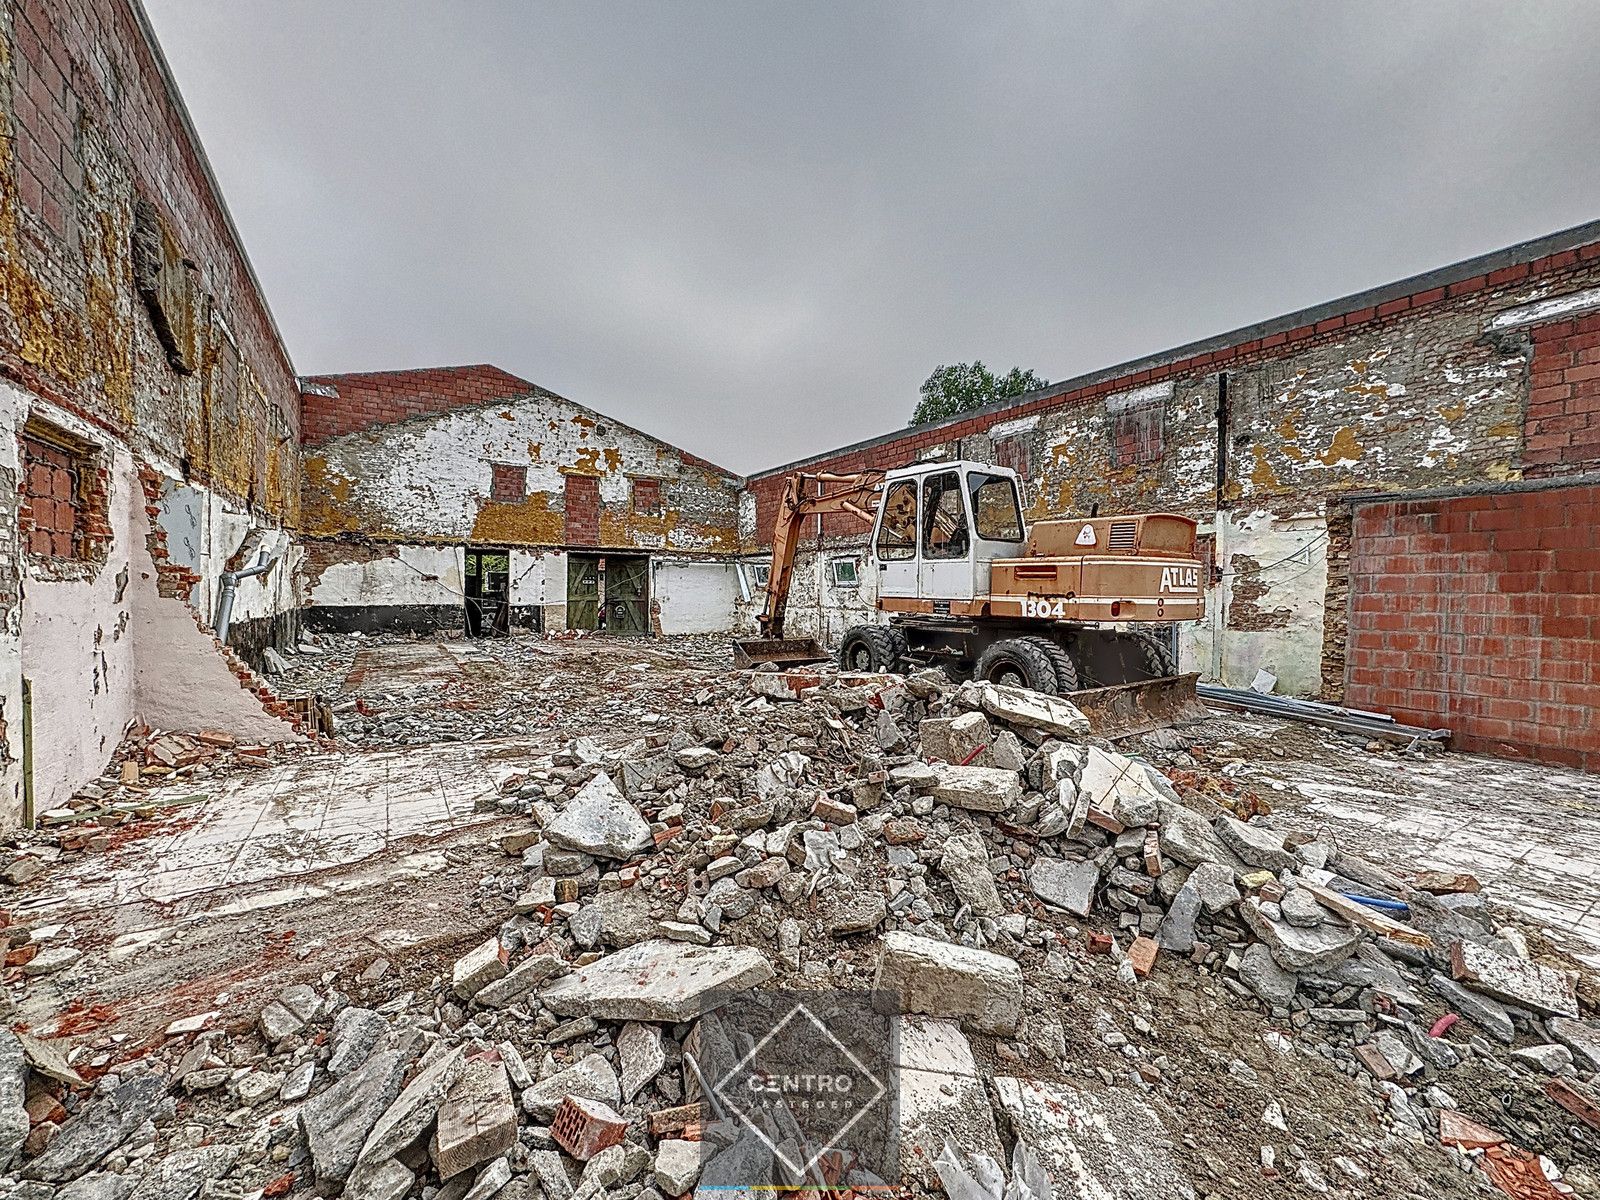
(230, 585)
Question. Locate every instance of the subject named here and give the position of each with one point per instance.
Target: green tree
(961, 386)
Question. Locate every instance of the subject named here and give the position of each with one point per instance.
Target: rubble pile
(503, 687)
(1056, 921)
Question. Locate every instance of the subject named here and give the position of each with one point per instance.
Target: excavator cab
(939, 527)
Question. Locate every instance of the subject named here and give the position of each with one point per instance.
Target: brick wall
(1563, 431)
(1482, 614)
(582, 510)
(92, 134)
(372, 398)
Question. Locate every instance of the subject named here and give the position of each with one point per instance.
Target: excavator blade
(1125, 709)
(781, 652)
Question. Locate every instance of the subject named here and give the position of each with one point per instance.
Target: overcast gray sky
(753, 229)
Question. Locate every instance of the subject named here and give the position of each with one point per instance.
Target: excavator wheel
(868, 648)
(1018, 662)
(1108, 658)
(1157, 655)
(1066, 672)
(902, 649)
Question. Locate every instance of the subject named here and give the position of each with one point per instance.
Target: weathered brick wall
(1260, 434)
(438, 470)
(89, 132)
(1563, 434)
(362, 401)
(1481, 614)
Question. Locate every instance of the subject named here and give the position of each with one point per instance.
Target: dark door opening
(608, 592)
(488, 593)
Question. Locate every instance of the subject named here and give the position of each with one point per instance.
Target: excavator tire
(902, 649)
(1157, 655)
(867, 648)
(1066, 672)
(1130, 656)
(1018, 662)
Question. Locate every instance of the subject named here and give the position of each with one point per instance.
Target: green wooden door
(583, 592)
(628, 595)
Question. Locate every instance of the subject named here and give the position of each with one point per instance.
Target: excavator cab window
(897, 532)
(944, 517)
(995, 512)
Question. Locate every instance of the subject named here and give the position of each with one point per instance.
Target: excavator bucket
(780, 652)
(1125, 709)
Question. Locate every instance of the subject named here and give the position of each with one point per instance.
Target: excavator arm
(805, 496)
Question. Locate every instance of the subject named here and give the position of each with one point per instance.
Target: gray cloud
(754, 228)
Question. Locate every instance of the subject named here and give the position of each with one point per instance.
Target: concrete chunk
(962, 740)
(478, 967)
(942, 1097)
(657, 981)
(1100, 1144)
(1517, 980)
(982, 990)
(1066, 885)
(1580, 1037)
(1255, 844)
(477, 1121)
(981, 789)
(336, 1122)
(1296, 949)
(408, 1118)
(1033, 710)
(965, 863)
(13, 1097)
(592, 1078)
(1488, 1015)
(520, 980)
(599, 821)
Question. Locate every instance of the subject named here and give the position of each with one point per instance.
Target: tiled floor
(292, 820)
(1531, 834)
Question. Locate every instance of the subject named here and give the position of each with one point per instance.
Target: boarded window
(1137, 426)
(63, 495)
(166, 282)
(646, 495)
(1012, 452)
(508, 484)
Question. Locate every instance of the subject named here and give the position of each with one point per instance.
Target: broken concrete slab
(1066, 885)
(335, 1123)
(477, 1121)
(965, 863)
(1255, 844)
(13, 1098)
(1033, 710)
(1100, 1144)
(1489, 1015)
(1517, 980)
(98, 1129)
(642, 1055)
(409, 1117)
(1274, 986)
(618, 918)
(677, 1166)
(657, 980)
(847, 910)
(520, 980)
(942, 1097)
(592, 1078)
(962, 740)
(601, 822)
(355, 1032)
(1117, 785)
(181, 1174)
(1177, 927)
(980, 789)
(1580, 1037)
(1296, 949)
(982, 990)
(478, 967)
(1188, 837)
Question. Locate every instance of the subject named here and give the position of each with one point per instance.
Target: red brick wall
(381, 397)
(1482, 614)
(582, 507)
(1563, 429)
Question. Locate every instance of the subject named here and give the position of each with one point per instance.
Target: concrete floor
(1530, 833)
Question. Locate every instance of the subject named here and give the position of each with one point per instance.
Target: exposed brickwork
(646, 495)
(582, 510)
(507, 483)
(62, 519)
(174, 581)
(90, 134)
(1563, 431)
(1482, 614)
(372, 398)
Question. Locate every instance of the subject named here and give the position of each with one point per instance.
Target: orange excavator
(1078, 606)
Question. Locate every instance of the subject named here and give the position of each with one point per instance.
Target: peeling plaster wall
(104, 646)
(539, 580)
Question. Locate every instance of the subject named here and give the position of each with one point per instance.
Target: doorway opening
(488, 592)
(608, 592)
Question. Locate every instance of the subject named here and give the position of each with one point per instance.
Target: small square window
(759, 573)
(646, 495)
(843, 572)
(508, 484)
